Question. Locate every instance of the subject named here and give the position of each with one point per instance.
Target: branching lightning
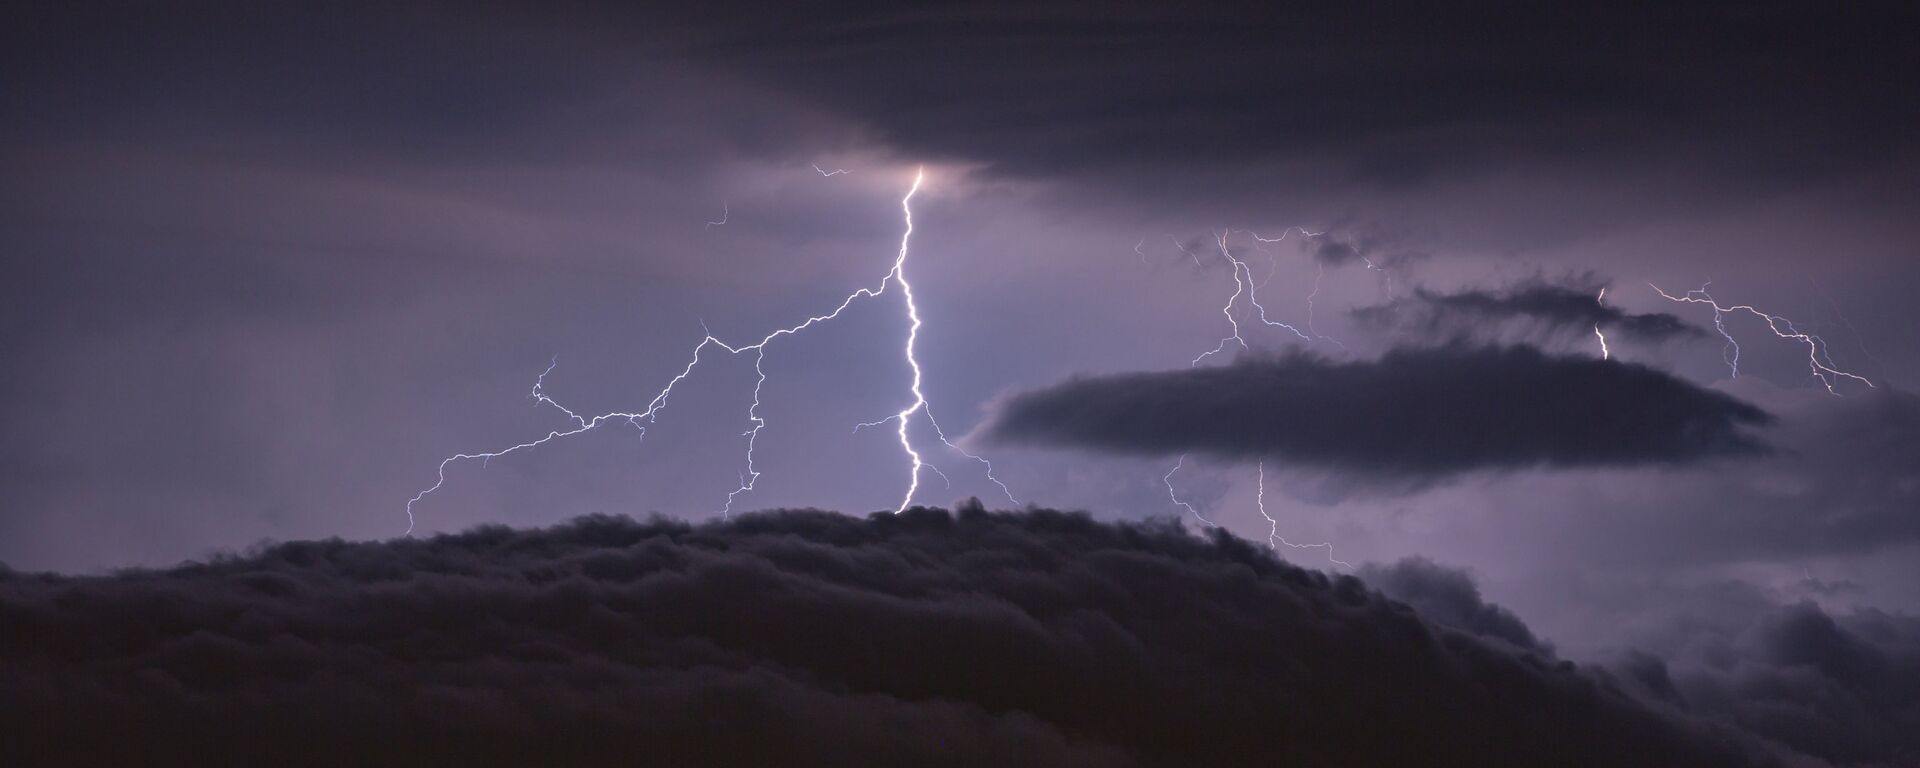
(827, 173)
(1817, 359)
(1248, 286)
(642, 418)
(1251, 290)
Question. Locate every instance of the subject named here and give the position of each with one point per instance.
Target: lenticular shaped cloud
(1412, 414)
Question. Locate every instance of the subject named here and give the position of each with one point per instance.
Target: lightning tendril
(642, 418)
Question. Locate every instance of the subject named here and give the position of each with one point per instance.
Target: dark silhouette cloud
(1397, 97)
(793, 638)
(1412, 414)
(1545, 308)
(1449, 596)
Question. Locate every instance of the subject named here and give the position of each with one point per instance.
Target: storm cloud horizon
(789, 636)
(264, 267)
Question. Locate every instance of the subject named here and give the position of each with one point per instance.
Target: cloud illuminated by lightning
(648, 415)
(1605, 354)
(1388, 276)
(1817, 359)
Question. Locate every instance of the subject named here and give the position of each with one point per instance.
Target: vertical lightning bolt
(1226, 310)
(1244, 283)
(1242, 286)
(1601, 299)
(919, 403)
(1319, 273)
(1274, 539)
(1817, 359)
(647, 416)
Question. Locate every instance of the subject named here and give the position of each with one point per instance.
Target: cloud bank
(793, 638)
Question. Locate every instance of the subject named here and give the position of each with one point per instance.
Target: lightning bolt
(1249, 288)
(1183, 249)
(642, 418)
(827, 173)
(1168, 479)
(1273, 530)
(724, 213)
(1601, 299)
(1319, 272)
(1818, 360)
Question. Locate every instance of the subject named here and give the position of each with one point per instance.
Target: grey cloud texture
(1827, 688)
(1449, 596)
(799, 638)
(1539, 307)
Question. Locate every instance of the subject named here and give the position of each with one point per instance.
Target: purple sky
(264, 269)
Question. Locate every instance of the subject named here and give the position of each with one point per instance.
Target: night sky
(1340, 366)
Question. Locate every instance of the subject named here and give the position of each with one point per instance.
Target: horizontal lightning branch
(644, 417)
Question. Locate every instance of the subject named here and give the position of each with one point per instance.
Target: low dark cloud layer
(1449, 596)
(1413, 414)
(1539, 307)
(793, 638)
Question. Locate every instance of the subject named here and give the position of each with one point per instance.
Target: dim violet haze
(266, 265)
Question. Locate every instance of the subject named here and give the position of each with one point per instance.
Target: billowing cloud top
(1414, 413)
(799, 638)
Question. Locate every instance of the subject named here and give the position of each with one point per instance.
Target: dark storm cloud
(795, 639)
(1449, 596)
(1397, 95)
(1392, 95)
(1413, 414)
(1543, 307)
